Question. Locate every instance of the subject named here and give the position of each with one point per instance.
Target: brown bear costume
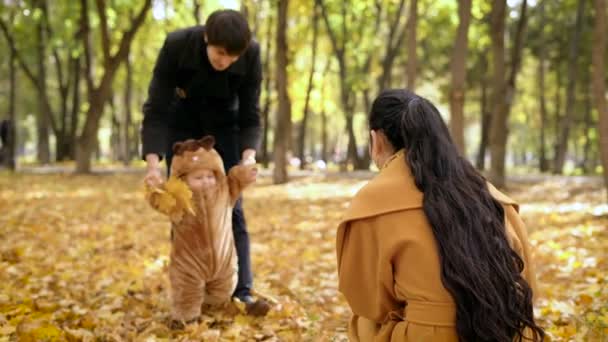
(203, 262)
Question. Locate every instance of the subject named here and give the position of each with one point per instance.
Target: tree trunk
(558, 108)
(61, 152)
(485, 114)
(500, 122)
(459, 75)
(566, 122)
(115, 132)
(138, 97)
(324, 140)
(9, 151)
(351, 151)
(497, 151)
(98, 96)
(43, 152)
(64, 138)
(412, 59)
(267, 89)
(588, 126)
(366, 159)
(304, 124)
(283, 129)
(594, 160)
(75, 109)
(88, 141)
(126, 148)
(324, 146)
(265, 158)
(599, 81)
(348, 106)
(543, 163)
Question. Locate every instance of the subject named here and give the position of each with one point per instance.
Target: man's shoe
(257, 308)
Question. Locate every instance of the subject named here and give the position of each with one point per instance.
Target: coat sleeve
(249, 101)
(365, 277)
(518, 237)
(160, 94)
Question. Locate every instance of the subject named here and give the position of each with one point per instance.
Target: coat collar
(394, 189)
(194, 55)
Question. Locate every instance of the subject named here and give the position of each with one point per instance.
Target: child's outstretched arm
(239, 177)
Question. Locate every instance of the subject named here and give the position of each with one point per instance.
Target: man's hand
(251, 174)
(153, 176)
(248, 157)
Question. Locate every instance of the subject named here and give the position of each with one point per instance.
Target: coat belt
(427, 313)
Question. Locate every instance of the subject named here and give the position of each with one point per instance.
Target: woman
(428, 250)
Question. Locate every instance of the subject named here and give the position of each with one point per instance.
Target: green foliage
(366, 26)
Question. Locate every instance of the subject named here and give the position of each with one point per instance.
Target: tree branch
(332, 35)
(343, 25)
(85, 32)
(400, 40)
(517, 46)
(28, 72)
(395, 23)
(63, 86)
(13, 47)
(128, 36)
(368, 61)
(105, 35)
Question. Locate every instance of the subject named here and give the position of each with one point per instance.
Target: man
(206, 81)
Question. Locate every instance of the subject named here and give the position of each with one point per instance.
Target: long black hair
(478, 267)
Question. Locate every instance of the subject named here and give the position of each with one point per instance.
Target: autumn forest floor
(84, 258)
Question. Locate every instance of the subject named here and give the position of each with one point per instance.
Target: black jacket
(188, 98)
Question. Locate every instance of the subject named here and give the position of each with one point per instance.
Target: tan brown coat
(388, 263)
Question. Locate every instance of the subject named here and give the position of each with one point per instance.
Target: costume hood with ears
(192, 155)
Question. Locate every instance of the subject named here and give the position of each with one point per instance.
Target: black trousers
(226, 144)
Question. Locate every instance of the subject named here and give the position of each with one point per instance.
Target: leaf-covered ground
(84, 258)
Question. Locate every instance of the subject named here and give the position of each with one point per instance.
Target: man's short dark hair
(228, 29)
